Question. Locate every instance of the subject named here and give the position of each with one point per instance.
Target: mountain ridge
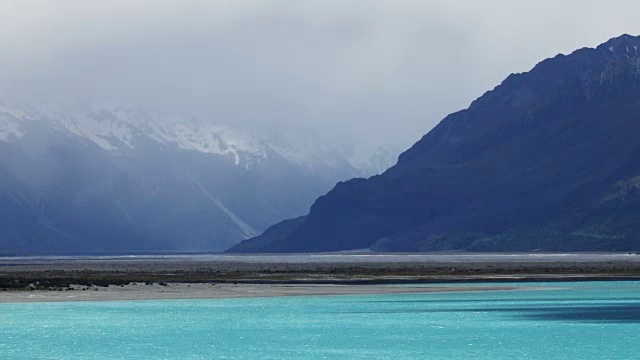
(111, 178)
(113, 127)
(526, 167)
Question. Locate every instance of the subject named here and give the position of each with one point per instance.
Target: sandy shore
(141, 291)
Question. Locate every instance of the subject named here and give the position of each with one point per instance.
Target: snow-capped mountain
(117, 128)
(114, 178)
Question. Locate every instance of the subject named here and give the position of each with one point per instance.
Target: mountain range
(113, 178)
(546, 161)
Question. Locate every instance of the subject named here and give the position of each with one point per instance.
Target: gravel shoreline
(212, 276)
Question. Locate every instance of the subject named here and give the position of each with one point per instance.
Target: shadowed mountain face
(116, 179)
(548, 160)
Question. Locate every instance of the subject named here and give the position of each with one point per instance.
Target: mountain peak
(624, 39)
(545, 161)
(624, 44)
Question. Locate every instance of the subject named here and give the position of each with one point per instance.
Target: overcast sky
(384, 72)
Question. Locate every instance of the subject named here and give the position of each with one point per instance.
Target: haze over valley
(112, 178)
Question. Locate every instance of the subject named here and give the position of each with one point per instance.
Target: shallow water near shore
(557, 320)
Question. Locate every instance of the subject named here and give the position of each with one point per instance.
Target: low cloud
(380, 72)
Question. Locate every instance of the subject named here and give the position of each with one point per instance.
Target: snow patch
(10, 122)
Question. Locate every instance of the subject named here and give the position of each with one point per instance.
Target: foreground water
(590, 320)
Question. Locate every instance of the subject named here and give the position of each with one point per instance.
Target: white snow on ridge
(14, 112)
(119, 128)
(102, 131)
(296, 156)
(213, 139)
(10, 119)
(9, 130)
(116, 129)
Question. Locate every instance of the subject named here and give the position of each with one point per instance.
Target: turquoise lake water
(588, 320)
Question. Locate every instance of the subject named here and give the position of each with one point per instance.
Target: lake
(557, 320)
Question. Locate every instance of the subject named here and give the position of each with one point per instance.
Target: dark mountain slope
(548, 160)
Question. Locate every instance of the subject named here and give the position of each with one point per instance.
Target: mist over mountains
(113, 178)
(546, 161)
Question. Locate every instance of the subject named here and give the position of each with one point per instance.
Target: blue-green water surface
(588, 320)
